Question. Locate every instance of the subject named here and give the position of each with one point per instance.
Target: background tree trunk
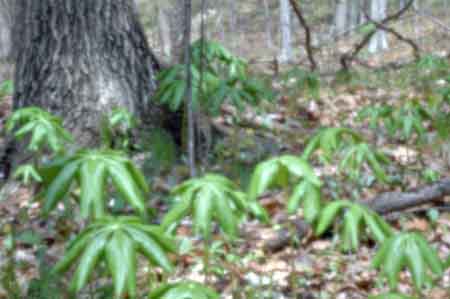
(378, 12)
(164, 32)
(340, 19)
(286, 36)
(79, 59)
(6, 20)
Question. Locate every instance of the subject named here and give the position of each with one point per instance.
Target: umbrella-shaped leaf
(263, 176)
(209, 198)
(407, 250)
(355, 216)
(93, 179)
(60, 186)
(185, 290)
(88, 260)
(203, 211)
(91, 169)
(117, 241)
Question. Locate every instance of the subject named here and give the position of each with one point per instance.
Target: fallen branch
(385, 204)
(399, 201)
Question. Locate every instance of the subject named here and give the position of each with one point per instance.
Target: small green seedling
(27, 173)
(44, 129)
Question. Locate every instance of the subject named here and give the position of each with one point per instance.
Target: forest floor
(259, 265)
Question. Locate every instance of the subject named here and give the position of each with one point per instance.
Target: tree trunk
(79, 59)
(164, 32)
(268, 23)
(378, 12)
(286, 36)
(340, 20)
(6, 19)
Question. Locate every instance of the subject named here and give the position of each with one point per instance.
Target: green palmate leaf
(278, 172)
(355, 217)
(328, 214)
(91, 169)
(329, 140)
(6, 88)
(304, 81)
(180, 210)
(411, 251)
(391, 295)
(43, 127)
(203, 211)
(117, 240)
(308, 194)
(209, 198)
(27, 173)
(183, 290)
(401, 121)
(224, 78)
(262, 178)
(355, 156)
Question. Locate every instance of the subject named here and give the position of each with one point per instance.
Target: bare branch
(347, 58)
(308, 46)
(400, 37)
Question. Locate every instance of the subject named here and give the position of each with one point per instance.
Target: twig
(346, 59)
(396, 34)
(188, 93)
(399, 201)
(308, 46)
(431, 18)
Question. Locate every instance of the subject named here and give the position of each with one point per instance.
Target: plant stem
(206, 259)
(188, 94)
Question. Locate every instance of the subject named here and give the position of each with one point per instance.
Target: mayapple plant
(409, 250)
(355, 217)
(217, 76)
(44, 129)
(117, 241)
(91, 170)
(185, 290)
(207, 198)
(280, 172)
(329, 140)
(356, 155)
(116, 129)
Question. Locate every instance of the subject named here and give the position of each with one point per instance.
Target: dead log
(384, 204)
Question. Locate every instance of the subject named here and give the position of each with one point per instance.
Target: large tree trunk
(79, 59)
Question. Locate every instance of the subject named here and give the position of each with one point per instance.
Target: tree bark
(379, 40)
(79, 59)
(285, 24)
(6, 18)
(340, 19)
